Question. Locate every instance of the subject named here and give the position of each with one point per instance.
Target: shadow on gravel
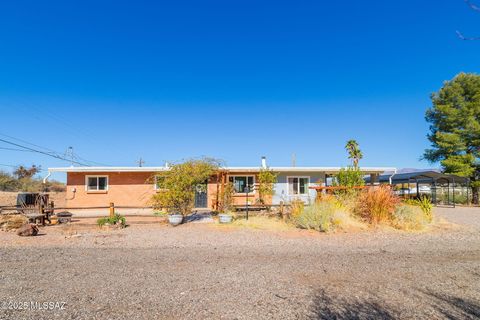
(327, 307)
(454, 307)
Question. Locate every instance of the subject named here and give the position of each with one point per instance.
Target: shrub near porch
(370, 207)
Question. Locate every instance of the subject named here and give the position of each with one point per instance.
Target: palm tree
(354, 152)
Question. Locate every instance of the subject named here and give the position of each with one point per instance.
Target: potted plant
(226, 204)
(175, 219)
(178, 185)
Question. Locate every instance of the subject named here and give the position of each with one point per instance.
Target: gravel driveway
(198, 271)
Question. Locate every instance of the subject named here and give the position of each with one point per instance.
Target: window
(240, 183)
(97, 183)
(298, 185)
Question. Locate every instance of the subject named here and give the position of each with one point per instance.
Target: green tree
(354, 152)
(179, 183)
(349, 177)
(455, 128)
(266, 184)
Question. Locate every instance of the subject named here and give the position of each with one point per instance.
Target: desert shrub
(266, 184)
(349, 177)
(424, 204)
(55, 186)
(347, 200)
(8, 182)
(115, 220)
(376, 205)
(12, 221)
(318, 216)
(27, 183)
(180, 183)
(340, 218)
(460, 198)
(408, 217)
(297, 207)
(226, 198)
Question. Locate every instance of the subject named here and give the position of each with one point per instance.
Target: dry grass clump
(261, 223)
(318, 216)
(327, 214)
(376, 205)
(408, 217)
(349, 212)
(424, 204)
(297, 206)
(12, 221)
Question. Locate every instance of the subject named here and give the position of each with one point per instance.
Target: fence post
(112, 209)
(42, 212)
(281, 210)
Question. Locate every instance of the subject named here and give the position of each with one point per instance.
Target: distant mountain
(409, 170)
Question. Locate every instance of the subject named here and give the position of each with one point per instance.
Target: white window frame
(299, 194)
(244, 175)
(96, 176)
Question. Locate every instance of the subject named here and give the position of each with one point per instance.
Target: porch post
(453, 194)
(218, 189)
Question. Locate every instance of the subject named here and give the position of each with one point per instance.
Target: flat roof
(427, 176)
(366, 170)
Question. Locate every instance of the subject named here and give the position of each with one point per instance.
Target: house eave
(327, 170)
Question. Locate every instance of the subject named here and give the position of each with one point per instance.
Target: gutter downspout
(390, 179)
(46, 177)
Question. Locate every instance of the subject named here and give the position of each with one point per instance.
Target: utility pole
(140, 162)
(294, 160)
(69, 155)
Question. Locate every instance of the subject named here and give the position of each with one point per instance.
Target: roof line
(233, 169)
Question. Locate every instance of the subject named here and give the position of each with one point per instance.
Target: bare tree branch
(474, 7)
(462, 37)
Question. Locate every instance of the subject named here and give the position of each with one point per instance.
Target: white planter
(175, 219)
(225, 218)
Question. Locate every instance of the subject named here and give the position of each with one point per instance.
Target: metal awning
(420, 177)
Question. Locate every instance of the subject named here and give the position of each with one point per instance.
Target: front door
(201, 196)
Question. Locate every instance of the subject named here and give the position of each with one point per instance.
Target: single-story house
(134, 186)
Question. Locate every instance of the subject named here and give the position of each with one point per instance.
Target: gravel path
(209, 272)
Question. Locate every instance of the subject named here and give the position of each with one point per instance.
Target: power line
(56, 156)
(52, 152)
(29, 143)
(72, 155)
(13, 149)
(7, 165)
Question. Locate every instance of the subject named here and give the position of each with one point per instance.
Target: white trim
(299, 194)
(108, 169)
(329, 170)
(96, 176)
(243, 175)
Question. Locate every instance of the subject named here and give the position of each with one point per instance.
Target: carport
(441, 186)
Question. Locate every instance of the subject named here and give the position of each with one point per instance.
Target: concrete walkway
(201, 217)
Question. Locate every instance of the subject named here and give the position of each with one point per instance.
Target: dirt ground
(10, 198)
(204, 271)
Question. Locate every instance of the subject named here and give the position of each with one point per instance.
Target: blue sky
(119, 80)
